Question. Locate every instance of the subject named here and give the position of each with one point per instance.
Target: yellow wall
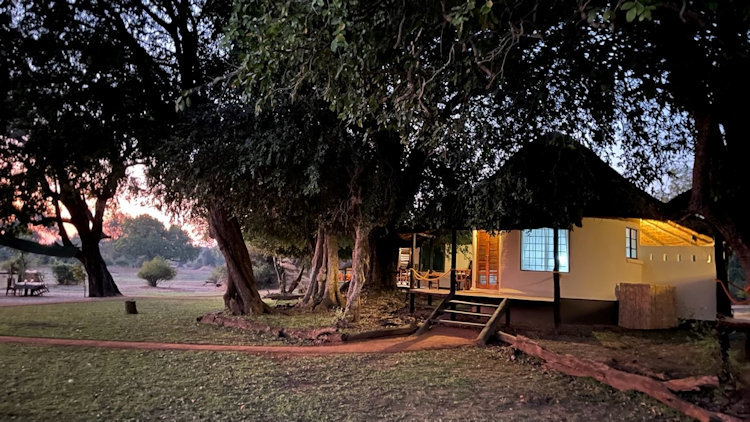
(694, 281)
(463, 256)
(532, 283)
(598, 264)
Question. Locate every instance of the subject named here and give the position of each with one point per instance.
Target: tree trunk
(360, 269)
(384, 258)
(331, 294)
(317, 264)
(101, 283)
(241, 296)
(296, 280)
(280, 276)
(708, 196)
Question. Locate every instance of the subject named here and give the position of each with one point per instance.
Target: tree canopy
(79, 101)
(648, 82)
(144, 238)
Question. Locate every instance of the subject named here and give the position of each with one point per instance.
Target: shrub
(20, 262)
(67, 274)
(156, 270)
(265, 274)
(218, 275)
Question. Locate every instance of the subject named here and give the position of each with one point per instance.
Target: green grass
(166, 320)
(158, 319)
(298, 319)
(71, 383)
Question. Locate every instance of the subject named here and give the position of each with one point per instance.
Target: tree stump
(130, 307)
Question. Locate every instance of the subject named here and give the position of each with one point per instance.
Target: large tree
(182, 38)
(691, 59)
(649, 81)
(78, 99)
(146, 237)
(273, 175)
(281, 57)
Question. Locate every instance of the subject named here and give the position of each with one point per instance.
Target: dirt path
(439, 338)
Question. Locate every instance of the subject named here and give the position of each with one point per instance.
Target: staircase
(465, 307)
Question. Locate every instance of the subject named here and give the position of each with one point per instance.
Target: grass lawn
(48, 383)
(158, 319)
(169, 320)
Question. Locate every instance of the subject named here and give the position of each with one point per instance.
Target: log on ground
(620, 380)
(386, 332)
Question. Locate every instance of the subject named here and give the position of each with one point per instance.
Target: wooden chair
(402, 278)
(463, 279)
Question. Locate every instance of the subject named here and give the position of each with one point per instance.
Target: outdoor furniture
(32, 284)
(463, 279)
(345, 274)
(32, 288)
(403, 278)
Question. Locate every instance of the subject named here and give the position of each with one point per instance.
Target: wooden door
(488, 260)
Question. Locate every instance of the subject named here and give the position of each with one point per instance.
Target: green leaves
(486, 7)
(338, 40)
(146, 237)
(638, 9)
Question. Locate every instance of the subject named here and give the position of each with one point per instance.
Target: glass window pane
(537, 252)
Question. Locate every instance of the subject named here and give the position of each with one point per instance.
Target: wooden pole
(556, 277)
(411, 260)
(723, 305)
(507, 315)
(130, 307)
(453, 261)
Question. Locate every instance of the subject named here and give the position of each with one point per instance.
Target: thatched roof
(677, 209)
(669, 233)
(555, 182)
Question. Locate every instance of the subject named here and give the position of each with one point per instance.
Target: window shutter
(488, 259)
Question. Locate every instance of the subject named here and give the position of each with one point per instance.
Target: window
(537, 250)
(631, 243)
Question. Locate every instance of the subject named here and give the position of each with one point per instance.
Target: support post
(723, 305)
(453, 261)
(130, 307)
(411, 262)
(556, 276)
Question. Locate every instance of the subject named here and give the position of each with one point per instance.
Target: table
(32, 287)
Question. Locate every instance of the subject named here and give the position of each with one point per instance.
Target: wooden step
(463, 302)
(451, 311)
(447, 321)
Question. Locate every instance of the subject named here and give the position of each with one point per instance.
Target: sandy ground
(438, 338)
(188, 283)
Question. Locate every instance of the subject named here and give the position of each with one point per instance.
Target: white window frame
(631, 243)
(537, 250)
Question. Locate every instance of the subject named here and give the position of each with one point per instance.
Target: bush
(265, 274)
(156, 270)
(68, 274)
(20, 262)
(218, 275)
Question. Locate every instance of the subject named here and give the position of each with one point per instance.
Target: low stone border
(317, 335)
